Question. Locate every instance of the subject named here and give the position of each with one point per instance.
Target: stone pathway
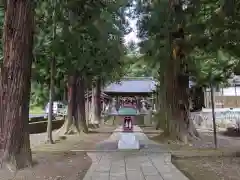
(143, 164)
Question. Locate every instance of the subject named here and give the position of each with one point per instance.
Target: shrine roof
(132, 85)
(103, 95)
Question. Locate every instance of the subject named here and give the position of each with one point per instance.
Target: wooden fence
(223, 101)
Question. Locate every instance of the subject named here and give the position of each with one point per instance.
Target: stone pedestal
(128, 141)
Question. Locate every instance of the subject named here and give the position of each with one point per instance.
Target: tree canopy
(89, 40)
(79, 45)
(186, 40)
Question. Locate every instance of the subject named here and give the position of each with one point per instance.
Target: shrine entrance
(133, 101)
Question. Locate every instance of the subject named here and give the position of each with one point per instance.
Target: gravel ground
(94, 136)
(40, 138)
(57, 161)
(206, 141)
(204, 168)
(221, 168)
(52, 166)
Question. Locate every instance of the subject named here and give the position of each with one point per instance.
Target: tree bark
(80, 114)
(71, 89)
(175, 96)
(175, 103)
(87, 108)
(15, 84)
(51, 97)
(98, 99)
(52, 82)
(197, 94)
(96, 102)
(65, 94)
(69, 125)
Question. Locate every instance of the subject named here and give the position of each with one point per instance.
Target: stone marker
(128, 141)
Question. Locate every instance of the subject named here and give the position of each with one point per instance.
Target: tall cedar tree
(15, 84)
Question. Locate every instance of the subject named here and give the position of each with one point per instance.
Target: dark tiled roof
(103, 95)
(132, 85)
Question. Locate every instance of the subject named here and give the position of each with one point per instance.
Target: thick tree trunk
(175, 88)
(51, 97)
(176, 105)
(96, 103)
(87, 107)
(71, 89)
(69, 125)
(15, 84)
(52, 84)
(197, 95)
(161, 115)
(80, 114)
(65, 94)
(98, 99)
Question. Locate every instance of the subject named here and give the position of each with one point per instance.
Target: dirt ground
(58, 161)
(218, 168)
(200, 161)
(206, 141)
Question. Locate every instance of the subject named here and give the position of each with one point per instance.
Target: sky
(133, 35)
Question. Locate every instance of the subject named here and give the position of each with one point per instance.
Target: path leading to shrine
(151, 162)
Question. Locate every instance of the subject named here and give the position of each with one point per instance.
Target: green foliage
(211, 38)
(212, 67)
(88, 42)
(39, 94)
(136, 66)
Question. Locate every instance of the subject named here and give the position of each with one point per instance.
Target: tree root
(193, 137)
(49, 141)
(68, 130)
(16, 162)
(179, 132)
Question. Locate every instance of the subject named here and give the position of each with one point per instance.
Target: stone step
(128, 141)
(134, 129)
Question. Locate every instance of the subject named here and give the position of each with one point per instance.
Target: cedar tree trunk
(70, 125)
(80, 114)
(15, 84)
(51, 97)
(175, 103)
(96, 102)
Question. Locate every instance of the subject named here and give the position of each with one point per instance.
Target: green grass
(36, 110)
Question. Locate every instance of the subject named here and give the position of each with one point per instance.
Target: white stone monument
(128, 141)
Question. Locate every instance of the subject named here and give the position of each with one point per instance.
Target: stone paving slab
(146, 145)
(133, 166)
(152, 162)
